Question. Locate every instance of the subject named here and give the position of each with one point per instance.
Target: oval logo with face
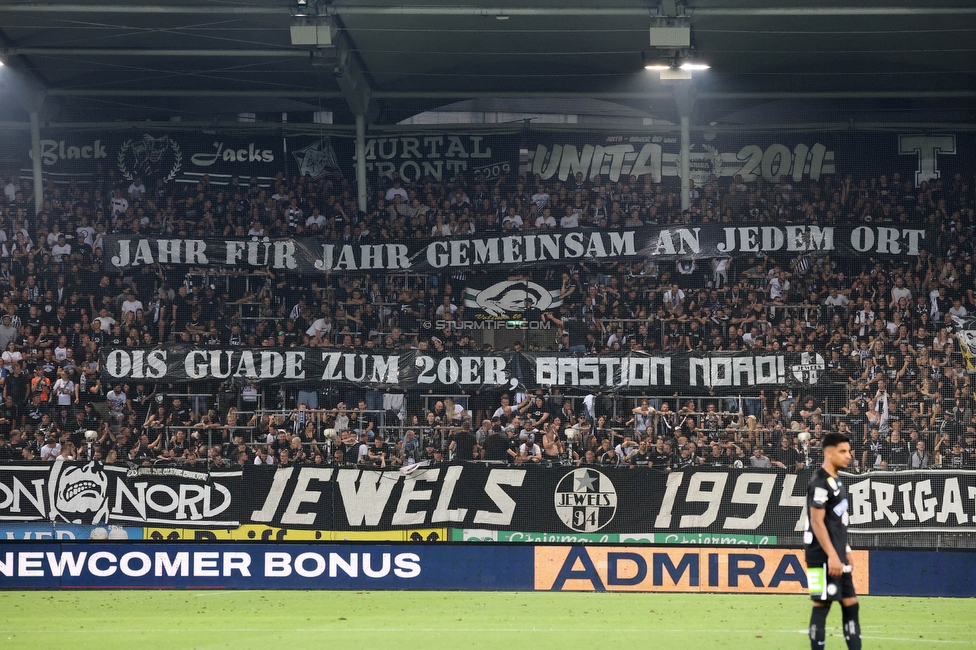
(78, 492)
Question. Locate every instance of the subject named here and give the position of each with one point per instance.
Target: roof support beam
(128, 92)
(202, 8)
(375, 10)
(348, 70)
(610, 96)
(894, 94)
(421, 10)
(684, 98)
(112, 51)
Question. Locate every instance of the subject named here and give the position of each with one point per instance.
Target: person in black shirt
(16, 384)
(536, 411)
(828, 556)
(466, 444)
(871, 456)
(660, 456)
(531, 313)
(643, 457)
(786, 456)
(9, 416)
(378, 453)
(496, 446)
(896, 452)
(575, 327)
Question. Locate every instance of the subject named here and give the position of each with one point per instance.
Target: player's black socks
(852, 627)
(818, 627)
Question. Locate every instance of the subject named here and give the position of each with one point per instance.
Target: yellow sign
(724, 570)
(262, 533)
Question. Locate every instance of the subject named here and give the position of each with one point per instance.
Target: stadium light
(658, 65)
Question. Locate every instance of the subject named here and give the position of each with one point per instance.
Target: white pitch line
(891, 638)
(896, 638)
(357, 630)
(475, 630)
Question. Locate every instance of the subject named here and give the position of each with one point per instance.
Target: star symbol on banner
(584, 482)
(316, 159)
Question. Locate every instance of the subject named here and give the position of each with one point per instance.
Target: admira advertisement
(772, 156)
(153, 155)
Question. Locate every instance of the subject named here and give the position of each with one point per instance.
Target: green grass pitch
(430, 620)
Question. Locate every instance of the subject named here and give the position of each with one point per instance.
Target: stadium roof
(109, 59)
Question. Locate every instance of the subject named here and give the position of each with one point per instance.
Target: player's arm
(834, 566)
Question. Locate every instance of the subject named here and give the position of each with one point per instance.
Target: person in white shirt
(617, 336)
(625, 449)
(263, 457)
(52, 237)
(317, 220)
(10, 189)
(720, 272)
(571, 220)
(898, 292)
(51, 449)
(545, 220)
(673, 297)
(837, 299)
(540, 198)
(750, 337)
(98, 241)
(440, 229)
(864, 318)
(136, 189)
(957, 309)
(319, 326)
(396, 190)
(529, 451)
(61, 250)
(513, 220)
(105, 321)
(11, 356)
(66, 390)
(131, 303)
(446, 307)
(779, 286)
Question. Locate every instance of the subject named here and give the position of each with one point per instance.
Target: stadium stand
(897, 382)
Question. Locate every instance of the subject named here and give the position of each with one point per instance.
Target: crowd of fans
(896, 380)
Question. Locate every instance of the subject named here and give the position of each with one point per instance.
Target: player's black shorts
(826, 587)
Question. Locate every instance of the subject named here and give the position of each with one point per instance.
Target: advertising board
(719, 570)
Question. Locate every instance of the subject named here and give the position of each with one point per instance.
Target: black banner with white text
(719, 372)
(154, 155)
(314, 256)
(771, 156)
(587, 499)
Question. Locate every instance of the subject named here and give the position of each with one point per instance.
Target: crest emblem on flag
(585, 500)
